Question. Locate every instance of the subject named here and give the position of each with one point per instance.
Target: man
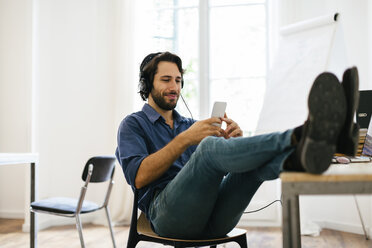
(195, 179)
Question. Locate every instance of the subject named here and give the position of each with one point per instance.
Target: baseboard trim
(56, 221)
(266, 217)
(344, 227)
(12, 214)
(256, 223)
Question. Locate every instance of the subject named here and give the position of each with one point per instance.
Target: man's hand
(232, 128)
(156, 164)
(201, 129)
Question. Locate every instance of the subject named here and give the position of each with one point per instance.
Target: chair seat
(63, 205)
(140, 230)
(144, 227)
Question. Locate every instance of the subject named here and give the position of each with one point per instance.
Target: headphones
(145, 81)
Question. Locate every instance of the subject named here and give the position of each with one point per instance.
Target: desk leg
(291, 221)
(33, 218)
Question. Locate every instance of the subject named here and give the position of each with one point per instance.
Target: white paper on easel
(306, 49)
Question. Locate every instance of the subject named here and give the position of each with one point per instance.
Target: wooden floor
(11, 236)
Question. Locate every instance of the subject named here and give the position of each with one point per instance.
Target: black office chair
(97, 170)
(140, 230)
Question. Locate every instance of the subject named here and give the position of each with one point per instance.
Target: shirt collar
(154, 116)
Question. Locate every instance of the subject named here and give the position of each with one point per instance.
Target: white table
(354, 178)
(32, 159)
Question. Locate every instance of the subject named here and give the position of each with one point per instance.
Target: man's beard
(160, 101)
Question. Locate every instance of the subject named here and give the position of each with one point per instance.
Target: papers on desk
(367, 148)
(365, 141)
(350, 159)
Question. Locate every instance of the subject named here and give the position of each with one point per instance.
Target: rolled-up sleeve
(132, 148)
(143, 133)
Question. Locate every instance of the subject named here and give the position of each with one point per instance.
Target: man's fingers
(227, 120)
(217, 131)
(236, 133)
(213, 120)
(231, 127)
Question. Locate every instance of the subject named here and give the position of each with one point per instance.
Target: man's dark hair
(149, 68)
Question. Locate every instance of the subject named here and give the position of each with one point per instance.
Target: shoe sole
(327, 108)
(349, 136)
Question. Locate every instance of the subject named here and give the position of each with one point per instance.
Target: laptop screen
(365, 108)
(363, 117)
(367, 147)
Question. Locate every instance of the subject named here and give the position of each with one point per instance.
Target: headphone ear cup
(146, 84)
(143, 83)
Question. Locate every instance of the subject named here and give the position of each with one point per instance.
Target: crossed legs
(209, 195)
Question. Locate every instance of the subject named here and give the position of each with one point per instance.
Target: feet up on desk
(319, 135)
(349, 136)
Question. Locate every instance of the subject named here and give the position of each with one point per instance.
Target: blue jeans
(209, 195)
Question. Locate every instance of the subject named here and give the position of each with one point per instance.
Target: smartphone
(218, 110)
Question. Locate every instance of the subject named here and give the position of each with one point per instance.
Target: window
(223, 45)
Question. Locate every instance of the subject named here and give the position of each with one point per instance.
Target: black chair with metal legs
(97, 170)
(140, 230)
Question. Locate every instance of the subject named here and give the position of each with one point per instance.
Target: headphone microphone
(186, 106)
(145, 83)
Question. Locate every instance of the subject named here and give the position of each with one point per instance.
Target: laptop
(367, 146)
(363, 116)
(364, 110)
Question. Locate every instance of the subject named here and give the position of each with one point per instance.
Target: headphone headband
(147, 60)
(145, 83)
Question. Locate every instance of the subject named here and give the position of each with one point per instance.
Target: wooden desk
(354, 178)
(32, 159)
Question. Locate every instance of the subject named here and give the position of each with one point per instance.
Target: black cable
(248, 212)
(268, 205)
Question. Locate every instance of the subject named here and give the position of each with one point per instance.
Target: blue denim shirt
(141, 134)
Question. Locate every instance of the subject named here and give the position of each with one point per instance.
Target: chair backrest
(97, 169)
(133, 222)
(103, 168)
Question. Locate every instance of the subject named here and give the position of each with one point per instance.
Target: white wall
(15, 101)
(75, 91)
(66, 58)
(339, 212)
(75, 88)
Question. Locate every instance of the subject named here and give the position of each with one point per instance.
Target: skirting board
(266, 217)
(344, 227)
(256, 223)
(12, 214)
(56, 221)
